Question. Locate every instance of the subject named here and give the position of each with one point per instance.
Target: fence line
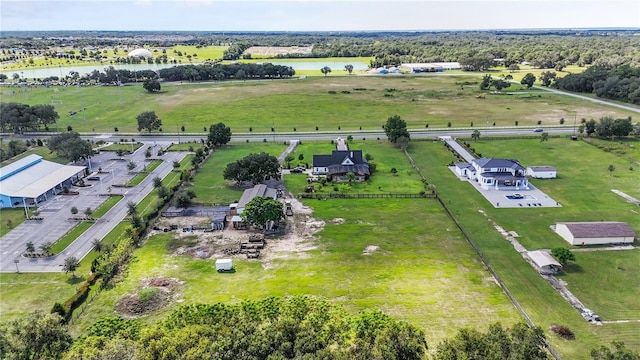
(502, 285)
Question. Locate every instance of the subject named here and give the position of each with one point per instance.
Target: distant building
(140, 53)
(339, 163)
(500, 173)
(31, 180)
(542, 172)
(595, 233)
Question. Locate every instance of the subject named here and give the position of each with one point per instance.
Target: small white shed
(542, 172)
(595, 233)
(223, 265)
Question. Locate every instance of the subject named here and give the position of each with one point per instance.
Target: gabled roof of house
(542, 168)
(541, 258)
(600, 229)
(498, 163)
(339, 158)
(258, 190)
(464, 165)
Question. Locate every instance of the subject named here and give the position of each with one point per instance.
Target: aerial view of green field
(405, 259)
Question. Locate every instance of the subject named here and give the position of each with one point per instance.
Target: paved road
(56, 212)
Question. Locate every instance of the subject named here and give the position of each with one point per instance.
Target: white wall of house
(541, 174)
(563, 231)
(461, 171)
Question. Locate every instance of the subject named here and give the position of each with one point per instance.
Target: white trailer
(223, 265)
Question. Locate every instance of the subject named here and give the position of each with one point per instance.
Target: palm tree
(351, 177)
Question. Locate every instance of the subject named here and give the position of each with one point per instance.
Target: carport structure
(31, 180)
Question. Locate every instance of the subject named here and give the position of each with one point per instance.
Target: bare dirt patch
(293, 240)
(153, 295)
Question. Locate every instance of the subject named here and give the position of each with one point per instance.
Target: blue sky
(315, 15)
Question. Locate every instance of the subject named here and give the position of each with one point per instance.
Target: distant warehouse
(595, 233)
(431, 67)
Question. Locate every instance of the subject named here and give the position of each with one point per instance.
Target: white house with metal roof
(31, 180)
(595, 233)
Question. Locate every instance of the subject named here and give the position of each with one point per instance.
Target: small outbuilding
(224, 265)
(544, 263)
(595, 233)
(542, 172)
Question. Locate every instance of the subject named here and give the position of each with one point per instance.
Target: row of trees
(610, 127)
(299, 327)
(236, 71)
(17, 117)
(620, 83)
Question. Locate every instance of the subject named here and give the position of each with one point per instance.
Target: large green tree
(563, 254)
(219, 134)
(148, 120)
(261, 210)
(70, 146)
(35, 336)
(618, 351)
(529, 79)
(151, 85)
(253, 167)
(518, 342)
(396, 128)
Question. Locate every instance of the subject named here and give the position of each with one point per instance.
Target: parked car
(538, 130)
(298, 169)
(93, 178)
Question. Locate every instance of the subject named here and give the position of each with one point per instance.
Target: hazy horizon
(316, 15)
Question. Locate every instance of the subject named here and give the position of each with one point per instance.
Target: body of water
(82, 70)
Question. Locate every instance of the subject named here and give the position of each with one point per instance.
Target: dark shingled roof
(599, 229)
(498, 163)
(337, 157)
(258, 190)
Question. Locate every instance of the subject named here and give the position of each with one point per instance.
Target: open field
(348, 102)
(583, 196)
(428, 276)
(209, 185)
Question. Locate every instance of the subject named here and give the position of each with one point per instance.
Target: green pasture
(423, 271)
(583, 195)
(209, 185)
(17, 290)
(596, 274)
(348, 102)
(385, 156)
(202, 53)
(70, 237)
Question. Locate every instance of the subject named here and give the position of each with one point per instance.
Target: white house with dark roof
(595, 233)
(542, 172)
(31, 180)
(467, 170)
(341, 162)
(500, 174)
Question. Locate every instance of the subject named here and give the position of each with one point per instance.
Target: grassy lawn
(42, 151)
(576, 190)
(106, 206)
(596, 273)
(186, 146)
(13, 217)
(209, 185)
(349, 102)
(383, 154)
(422, 272)
(70, 236)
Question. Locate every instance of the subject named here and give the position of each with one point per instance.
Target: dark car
(538, 130)
(93, 178)
(298, 169)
